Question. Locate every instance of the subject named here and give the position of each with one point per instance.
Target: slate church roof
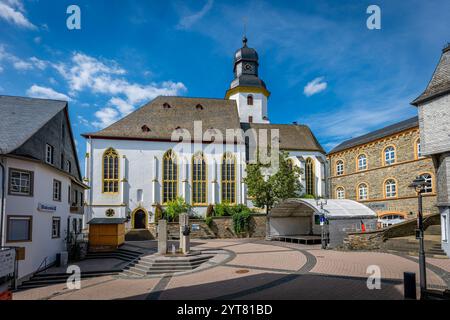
(292, 136)
(377, 134)
(21, 118)
(160, 117)
(440, 82)
(157, 120)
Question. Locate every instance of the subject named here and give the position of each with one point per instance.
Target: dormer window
(145, 128)
(49, 153)
(249, 100)
(199, 107)
(166, 106)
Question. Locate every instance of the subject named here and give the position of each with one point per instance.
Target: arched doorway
(139, 219)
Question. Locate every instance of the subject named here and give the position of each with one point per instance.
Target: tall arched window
(199, 179)
(363, 192)
(250, 100)
(310, 176)
(362, 162)
(170, 176)
(389, 155)
(340, 193)
(390, 187)
(429, 179)
(340, 167)
(229, 178)
(110, 171)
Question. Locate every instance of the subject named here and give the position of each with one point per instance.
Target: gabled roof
(292, 136)
(21, 118)
(378, 134)
(440, 82)
(159, 118)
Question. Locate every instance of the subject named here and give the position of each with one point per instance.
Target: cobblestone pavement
(263, 270)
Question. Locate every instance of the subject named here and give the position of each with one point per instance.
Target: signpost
(7, 270)
(323, 221)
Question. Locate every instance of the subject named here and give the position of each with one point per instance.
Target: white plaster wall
(141, 169)
(42, 244)
(320, 170)
(258, 110)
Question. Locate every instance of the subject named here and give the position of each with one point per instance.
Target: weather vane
(244, 21)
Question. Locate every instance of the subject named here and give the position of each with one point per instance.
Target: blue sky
(322, 65)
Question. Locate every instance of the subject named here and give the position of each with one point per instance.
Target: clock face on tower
(248, 67)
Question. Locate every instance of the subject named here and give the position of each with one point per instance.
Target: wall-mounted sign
(7, 259)
(195, 227)
(377, 206)
(46, 208)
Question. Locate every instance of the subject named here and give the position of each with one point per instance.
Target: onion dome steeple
(245, 70)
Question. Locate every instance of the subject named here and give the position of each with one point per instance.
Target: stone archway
(139, 219)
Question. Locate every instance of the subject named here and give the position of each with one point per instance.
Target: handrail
(45, 265)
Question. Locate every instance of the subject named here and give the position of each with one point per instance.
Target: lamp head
(419, 184)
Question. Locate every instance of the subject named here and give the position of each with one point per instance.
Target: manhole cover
(243, 271)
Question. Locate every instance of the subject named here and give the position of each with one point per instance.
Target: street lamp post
(419, 184)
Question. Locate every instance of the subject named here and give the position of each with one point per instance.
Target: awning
(333, 209)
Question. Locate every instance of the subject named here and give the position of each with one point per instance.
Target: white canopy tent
(299, 217)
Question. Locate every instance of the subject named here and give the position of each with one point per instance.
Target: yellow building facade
(377, 168)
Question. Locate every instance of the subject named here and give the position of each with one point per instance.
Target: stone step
(44, 280)
(173, 268)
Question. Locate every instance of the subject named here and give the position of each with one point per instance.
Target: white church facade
(139, 162)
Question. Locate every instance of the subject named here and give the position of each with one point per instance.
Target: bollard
(409, 282)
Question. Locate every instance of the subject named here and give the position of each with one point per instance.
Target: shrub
(210, 211)
(308, 196)
(209, 221)
(223, 209)
(241, 221)
(159, 213)
(175, 207)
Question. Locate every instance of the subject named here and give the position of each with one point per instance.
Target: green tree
(278, 186)
(175, 207)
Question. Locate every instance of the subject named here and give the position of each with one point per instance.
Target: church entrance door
(139, 220)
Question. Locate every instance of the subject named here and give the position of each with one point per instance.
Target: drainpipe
(2, 204)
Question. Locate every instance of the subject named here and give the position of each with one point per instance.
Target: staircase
(47, 279)
(42, 279)
(120, 254)
(410, 245)
(151, 265)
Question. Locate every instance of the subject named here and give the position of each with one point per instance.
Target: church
(139, 162)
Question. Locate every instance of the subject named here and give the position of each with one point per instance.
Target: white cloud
(190, 19)
(21, 64)
(86, 73)
(36, 91)
(13, 12)
(315, 86)
(123, 106)
(106, 117)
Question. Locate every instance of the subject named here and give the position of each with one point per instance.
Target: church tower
(247, 88)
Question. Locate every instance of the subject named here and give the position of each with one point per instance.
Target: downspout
(2, 204)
